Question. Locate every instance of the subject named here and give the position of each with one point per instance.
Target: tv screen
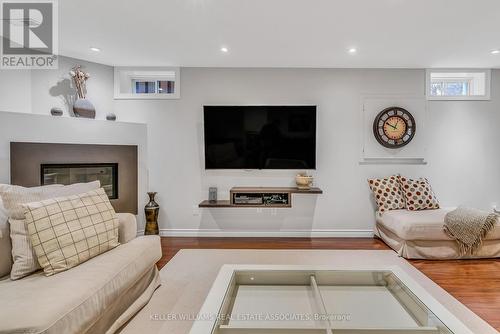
(260, 137)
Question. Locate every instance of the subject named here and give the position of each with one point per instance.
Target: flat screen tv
(260, 137)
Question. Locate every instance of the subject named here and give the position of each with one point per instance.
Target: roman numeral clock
(394, 127)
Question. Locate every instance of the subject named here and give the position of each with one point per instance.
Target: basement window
(143, 86)
(147, 83)
(458, 84)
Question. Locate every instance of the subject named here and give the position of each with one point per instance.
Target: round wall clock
(394, 127)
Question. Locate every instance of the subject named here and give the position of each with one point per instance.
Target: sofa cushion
(72, 301)
(13, 197)
(67, 231)
(387, 193)
(418, 194)
(422, 225)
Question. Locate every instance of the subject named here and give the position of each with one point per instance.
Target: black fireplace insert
(106, 173)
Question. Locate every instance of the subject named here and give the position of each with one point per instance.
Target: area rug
(188, 277)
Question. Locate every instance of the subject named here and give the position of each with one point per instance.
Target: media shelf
(216, 204)
(260, 197)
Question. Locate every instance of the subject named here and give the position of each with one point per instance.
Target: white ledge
(393, 161)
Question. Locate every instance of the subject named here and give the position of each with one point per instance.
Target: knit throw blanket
(469, 227)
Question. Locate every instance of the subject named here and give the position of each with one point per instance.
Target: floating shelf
(291, 190)
(217, 204)
(260, 197)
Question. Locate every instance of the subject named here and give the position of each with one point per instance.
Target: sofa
(420, 235)
(97, 296)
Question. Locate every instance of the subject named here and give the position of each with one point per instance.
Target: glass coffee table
(255, 299)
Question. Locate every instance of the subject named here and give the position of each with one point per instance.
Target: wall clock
(394, 127)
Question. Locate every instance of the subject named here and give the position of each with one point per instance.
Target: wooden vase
(152, 209)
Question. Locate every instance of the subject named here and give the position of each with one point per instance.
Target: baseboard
(256, 234)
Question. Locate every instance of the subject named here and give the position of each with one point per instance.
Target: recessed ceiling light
(224, 49)
(352, 51)
(495, 52)
(95, 49)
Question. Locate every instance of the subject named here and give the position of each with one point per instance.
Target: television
(260, 137)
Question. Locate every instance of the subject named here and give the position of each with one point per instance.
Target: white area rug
(188, 277)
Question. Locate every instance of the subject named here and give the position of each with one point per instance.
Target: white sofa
(420, 235)
(98, 296)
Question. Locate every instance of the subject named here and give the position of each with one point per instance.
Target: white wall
(462, 153)
(37, 91)
(15, 91)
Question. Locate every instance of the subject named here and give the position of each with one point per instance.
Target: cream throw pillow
(67, 231)
(5, 245)
(13, 197)
(24, 258)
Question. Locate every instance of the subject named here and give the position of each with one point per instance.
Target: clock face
(394, 127)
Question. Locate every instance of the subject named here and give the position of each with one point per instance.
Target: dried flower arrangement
(82, 107)
(79, 77)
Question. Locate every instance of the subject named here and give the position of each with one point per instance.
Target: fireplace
(115, 166)
(106, 173)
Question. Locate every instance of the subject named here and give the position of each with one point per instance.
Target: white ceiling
(283, 33)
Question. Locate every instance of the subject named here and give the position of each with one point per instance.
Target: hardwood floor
(171, 245)
(475, 283)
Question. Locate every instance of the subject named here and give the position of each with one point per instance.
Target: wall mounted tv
(260, 137)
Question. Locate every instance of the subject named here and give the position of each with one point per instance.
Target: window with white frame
(147, 83)
(458, 84)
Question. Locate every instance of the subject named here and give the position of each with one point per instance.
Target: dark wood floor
(475, 283)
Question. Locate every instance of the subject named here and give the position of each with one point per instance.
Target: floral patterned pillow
(387, 193)
(418, 194)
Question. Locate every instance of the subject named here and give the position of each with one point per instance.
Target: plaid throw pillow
(418, 194)
(387, 193)
(67, 231)
(13, 197)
